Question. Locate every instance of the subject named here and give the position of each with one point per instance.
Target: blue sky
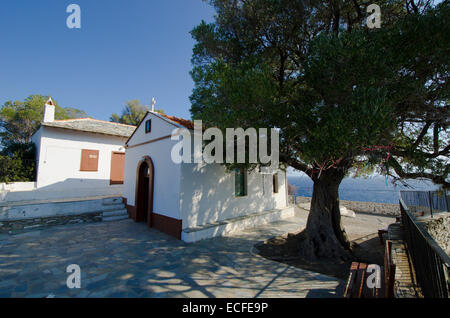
(124, 50)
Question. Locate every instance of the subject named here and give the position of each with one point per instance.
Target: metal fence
(428, 202)
(431, 263)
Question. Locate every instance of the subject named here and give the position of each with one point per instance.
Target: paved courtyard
(127, 259)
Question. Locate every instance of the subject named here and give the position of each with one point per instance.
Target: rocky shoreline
(386, 209)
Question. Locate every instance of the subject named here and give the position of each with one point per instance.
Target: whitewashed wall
(6, 189)
(59, 153)
(196, 193)
(166, 196)
(208, 194)
(160, 128)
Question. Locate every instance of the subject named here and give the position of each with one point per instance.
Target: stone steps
(114, 213)
(113, 207)
(112, 201)
(114, 218)
(113, 210)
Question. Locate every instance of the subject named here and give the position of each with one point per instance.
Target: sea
(372, 189)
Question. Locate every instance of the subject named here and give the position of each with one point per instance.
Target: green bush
(17, 163)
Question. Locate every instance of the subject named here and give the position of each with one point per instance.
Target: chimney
(49, 111)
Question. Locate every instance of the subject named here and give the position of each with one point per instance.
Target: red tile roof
(189, 124)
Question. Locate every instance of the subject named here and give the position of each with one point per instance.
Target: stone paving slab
(127, 259)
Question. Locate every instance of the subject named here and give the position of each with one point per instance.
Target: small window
(240, 182)
(275, 183)
(89, 160)
(148, 126)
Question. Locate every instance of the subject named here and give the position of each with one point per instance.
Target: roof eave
(83, 130)
(160, 117)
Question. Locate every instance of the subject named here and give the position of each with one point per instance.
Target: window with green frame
(240, 182)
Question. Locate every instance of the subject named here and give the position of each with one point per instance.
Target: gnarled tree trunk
(324, 236)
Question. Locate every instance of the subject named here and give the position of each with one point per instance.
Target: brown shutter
(117, 167)
(89, 160)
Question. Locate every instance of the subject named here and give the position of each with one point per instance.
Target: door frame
(151, 168)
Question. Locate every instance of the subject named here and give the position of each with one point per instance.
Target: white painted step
(112, 201)
(113, 207)
(115, 213)
(114, 218)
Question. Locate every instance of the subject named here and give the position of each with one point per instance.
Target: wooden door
(117, 167)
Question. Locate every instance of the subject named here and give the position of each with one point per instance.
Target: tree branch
(415, 175)
(422, 134)
(436, 138)
(294, 163)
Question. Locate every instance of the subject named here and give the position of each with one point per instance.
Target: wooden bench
(357, 280)
(357, 283)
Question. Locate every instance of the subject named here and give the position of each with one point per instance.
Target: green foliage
(331, 88)
(70, 112)
(17, 163)
(342, 105)
(233, 93)
(132, 114)
(19, 120)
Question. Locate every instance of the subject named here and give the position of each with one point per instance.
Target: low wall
(6, 188)
(27, 191)
(18, 186)
(10, 227)
(32, 210)
(388, 209)
(18, 216)
(439, 229)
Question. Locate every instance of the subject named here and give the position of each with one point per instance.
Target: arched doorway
(144, 191)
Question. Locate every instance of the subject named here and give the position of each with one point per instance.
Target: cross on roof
(153, 104)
